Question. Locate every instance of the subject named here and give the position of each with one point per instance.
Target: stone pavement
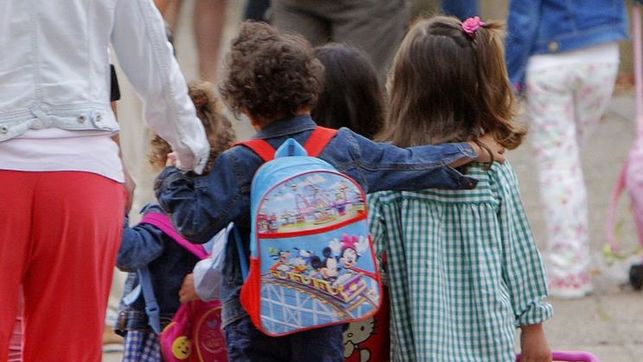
(609, 323)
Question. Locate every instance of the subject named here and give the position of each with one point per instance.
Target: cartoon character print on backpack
(354, 337)
(312, 262)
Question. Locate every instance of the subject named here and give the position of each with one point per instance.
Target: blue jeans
(246, 343)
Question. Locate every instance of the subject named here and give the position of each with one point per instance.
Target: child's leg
(78, 221)
(16, 194)
(318, 345)
(246, 344)
(552, 111)
(593, 94)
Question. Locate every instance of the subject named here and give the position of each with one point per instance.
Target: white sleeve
(139, 41)
(207, 279)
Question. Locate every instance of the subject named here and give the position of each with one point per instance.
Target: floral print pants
(564, 104)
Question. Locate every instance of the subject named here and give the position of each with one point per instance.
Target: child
(353, 98)
(146, 245)
(463, 268)
(568, 54)
(275, 80)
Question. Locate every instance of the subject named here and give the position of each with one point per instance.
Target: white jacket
(54, 70)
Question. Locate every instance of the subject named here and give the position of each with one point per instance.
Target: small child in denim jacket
(275, 80)
(146, 245)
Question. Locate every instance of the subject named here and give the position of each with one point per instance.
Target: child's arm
(141, 244)
(533, 344)
(522, 267)
(383, 166)
(201, 206)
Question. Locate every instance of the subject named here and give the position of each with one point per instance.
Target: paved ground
(609, 323)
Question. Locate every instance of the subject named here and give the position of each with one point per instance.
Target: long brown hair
(217, 127)
(450, 86)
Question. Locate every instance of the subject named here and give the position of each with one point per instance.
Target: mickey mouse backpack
(312, 263)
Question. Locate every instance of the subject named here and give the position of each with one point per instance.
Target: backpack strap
(318, 140)
(152, 309)
(261, 147)
(315, 144)
(163, 222)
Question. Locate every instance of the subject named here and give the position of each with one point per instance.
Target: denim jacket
(201, 206)
(168, 263)
(553, 26)
(54, 70)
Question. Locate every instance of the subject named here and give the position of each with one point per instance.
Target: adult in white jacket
(61, 193)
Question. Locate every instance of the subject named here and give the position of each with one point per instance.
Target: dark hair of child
(450, 86)
(217, 127)
(352, 95)
(280, 78)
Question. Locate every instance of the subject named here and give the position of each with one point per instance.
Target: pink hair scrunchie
(471, 25)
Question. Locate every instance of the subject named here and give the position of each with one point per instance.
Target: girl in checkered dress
(463, 268)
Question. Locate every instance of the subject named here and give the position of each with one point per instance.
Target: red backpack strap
(262, 148)
(163, 222)
(318, 140)
(315, 144)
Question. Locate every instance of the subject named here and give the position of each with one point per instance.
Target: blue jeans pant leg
(318, 345)
(247, 344)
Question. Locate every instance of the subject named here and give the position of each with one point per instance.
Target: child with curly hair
(145, 245)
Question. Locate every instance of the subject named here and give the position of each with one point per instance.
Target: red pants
(59, 234)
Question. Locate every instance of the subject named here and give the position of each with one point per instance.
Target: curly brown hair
(218, 128)
(270, 74)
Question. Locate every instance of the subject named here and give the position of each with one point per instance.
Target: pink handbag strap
(164, 223)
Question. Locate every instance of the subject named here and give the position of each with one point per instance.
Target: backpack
(195, 333)
(311, 258)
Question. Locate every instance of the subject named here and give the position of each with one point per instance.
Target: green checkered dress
(462, 268)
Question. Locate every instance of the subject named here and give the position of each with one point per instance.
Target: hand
(188, 291)
(130, 186)
(171, 159)
(488, 149)
(534, 345)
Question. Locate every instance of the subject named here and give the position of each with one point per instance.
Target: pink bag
(569, 356)
(195, 334)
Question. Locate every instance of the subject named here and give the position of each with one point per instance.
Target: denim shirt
(553, 26)
(168, 263)
(202, 205)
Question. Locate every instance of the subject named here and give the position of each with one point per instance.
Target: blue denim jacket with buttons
(553, 26)
(202, 205)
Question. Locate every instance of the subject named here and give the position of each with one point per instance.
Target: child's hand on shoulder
(488, 149)
(188, 290)
(534, 345)
(172, 160)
